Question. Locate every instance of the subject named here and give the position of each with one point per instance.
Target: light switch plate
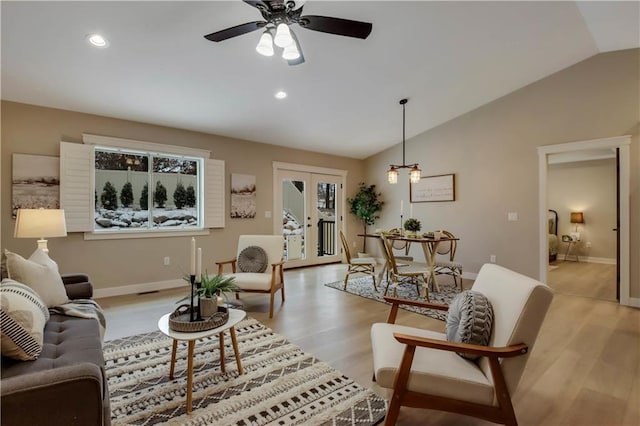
(267, 214)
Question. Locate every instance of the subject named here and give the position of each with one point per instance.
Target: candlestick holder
(199, 311)
(192, 280)
(401, 226)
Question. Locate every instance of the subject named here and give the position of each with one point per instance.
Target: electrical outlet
(267, 214)
(492, 258)
(588, 244)
(512, 216)
(167, 261)
(354, 244)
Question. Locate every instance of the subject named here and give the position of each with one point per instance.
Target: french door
(308, 212)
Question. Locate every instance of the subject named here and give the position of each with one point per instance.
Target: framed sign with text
(433, 188)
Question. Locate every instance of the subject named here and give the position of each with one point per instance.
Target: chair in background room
(425, 370)
(410, 273)
(448, 266)
(364, 265)
(258, 266)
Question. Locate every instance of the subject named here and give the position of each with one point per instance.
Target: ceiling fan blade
(300, 60)
(235, 31)
(339, 26)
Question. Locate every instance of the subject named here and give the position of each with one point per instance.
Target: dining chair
(412, 273)
(448, 266)
(425, 370)
(364, 265)
(258, 266)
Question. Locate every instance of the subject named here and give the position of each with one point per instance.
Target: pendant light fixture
(414, 172)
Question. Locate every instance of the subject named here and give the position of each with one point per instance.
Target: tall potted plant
(366, 205)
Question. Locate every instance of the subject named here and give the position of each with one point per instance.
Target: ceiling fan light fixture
(265, 45)
(291, 52)
(283, 36)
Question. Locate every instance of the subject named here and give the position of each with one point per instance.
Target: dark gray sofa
(66, 385)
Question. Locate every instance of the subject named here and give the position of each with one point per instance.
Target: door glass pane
(326, 205)
(293, 219)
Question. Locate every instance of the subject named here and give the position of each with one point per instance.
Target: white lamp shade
(291, 52)
(283, 36)
(40, 223)
(265, 45)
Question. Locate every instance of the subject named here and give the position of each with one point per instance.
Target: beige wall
(492, 151)
(589, 187)
(30, 129)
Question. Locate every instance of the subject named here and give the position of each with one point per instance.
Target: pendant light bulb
(414, 174)
(283, 36)
(392, 175)
(265, 45)
(291, 52)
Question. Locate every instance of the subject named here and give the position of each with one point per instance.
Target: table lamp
(576, 217)
(40, 223)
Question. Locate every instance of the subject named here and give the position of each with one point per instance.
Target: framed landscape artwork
(36, 182)
(433, 188)
(243, 196)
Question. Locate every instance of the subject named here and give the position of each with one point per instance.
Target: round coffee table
(235, 316)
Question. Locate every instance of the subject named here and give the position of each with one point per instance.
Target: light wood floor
(584, 370)
(595, 280)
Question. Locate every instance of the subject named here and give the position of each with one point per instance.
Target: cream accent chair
(364, 265)
(269, 281)
(424, 371)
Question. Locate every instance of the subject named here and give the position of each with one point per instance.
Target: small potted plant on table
(413, 226)
(210, 288)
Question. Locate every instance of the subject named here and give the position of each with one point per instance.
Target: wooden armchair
(271, 279)
(424, 370)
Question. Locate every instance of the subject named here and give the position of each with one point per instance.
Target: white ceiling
(446, 57)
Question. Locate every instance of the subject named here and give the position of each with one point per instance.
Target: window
(130, 195)
(118, 188)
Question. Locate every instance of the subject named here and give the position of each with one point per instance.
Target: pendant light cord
(403, 103)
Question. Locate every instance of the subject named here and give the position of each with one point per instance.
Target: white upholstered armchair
(258, 265)
(424, 370)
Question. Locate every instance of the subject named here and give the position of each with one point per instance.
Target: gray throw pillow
(470, 320)
(252, 259)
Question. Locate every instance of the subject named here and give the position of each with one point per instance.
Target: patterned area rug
(362, 286)
(282, 385)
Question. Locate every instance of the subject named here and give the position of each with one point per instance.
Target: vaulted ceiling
(446, 57)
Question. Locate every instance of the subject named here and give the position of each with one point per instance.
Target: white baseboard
(587, 259)
(469, 275)
(138, 288)
(634, 302)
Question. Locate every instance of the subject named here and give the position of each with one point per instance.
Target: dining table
(429, 247)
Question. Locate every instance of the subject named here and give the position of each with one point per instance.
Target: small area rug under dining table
(363, 287)
(281, 384)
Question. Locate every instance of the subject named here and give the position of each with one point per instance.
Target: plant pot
(208, 306)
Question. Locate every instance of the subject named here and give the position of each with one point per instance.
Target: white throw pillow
(22, 318)
(40, 273)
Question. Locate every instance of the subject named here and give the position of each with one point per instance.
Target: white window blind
(76, 185)
(214, 194)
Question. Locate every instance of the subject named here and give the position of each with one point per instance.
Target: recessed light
(280, 95)
(97, 40)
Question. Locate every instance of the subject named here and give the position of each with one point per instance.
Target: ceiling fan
(279, 15)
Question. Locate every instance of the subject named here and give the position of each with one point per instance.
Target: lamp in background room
(40, 223)
(576, 218)
(414, 172)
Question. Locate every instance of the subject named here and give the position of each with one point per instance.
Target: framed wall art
(243, 196)
(433, 188)
(35, 182)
